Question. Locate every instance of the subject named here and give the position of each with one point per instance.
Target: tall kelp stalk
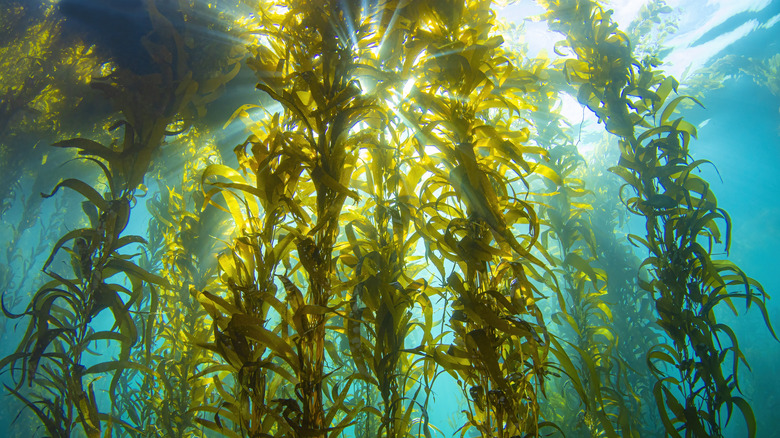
(299, 163)
(632, 308)
(583, 313)
(389, 304)
(585, 403)
(463, 100)
(378, 263)
(63, 311)
(698, 372)
(180, 247)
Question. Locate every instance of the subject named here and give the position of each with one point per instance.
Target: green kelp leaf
(85, 189)
(107, 367)
(670, 357)
(108, 418)
(127, 240)
(482, 344)
(53, 427)
(355, 340)
(86, 405)
(659, 391)
(658, 130)
(673, 105)
(567, 366)
(90, 147)
(43, 339)
(133, 270)
(576, 261)
(747, 414)
(84, 233)
(661, 202)
(107, 336)
(587, 97)
(337, 405)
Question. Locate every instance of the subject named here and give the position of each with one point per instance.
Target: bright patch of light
(407, 88)
(572, 110)
(772, 21)
(692, 58)
(538, 36)
(583, 121)
(625, 11)
(698, 21)
(695, 20)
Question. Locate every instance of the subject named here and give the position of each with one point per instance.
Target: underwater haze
(389, 218)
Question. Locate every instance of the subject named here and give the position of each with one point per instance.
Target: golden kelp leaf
(253, 328)
(548, 173)
(228, 307)
(575, 260)
(668, 85)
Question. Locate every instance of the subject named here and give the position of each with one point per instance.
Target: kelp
(464, 101)
(62, 311)
(695, 381)
(171, 400)
(282, 218)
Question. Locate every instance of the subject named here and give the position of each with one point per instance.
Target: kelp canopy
(405, 219)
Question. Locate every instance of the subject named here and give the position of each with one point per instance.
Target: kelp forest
(342, 218)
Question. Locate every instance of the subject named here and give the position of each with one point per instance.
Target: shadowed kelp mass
(405, 241)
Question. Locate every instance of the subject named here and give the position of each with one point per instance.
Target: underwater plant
(694, 379)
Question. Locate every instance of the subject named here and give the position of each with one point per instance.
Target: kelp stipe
(165, 391)
(681, 213)
(306, 64)
(62, 310)
(462, 106)
(388, 291)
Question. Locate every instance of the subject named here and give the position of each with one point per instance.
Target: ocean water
(371, 219)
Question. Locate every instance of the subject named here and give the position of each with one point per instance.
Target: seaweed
(694, 378)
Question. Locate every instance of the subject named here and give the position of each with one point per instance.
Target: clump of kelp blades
(62, 312)
(681, 212)
(318, 294)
